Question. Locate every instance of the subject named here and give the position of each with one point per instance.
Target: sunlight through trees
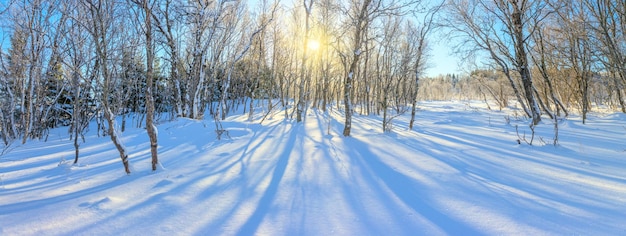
(66, 62)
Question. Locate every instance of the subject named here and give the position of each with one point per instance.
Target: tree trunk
(522, 61)
(362, 23)
(150, 127)
(303, 72)
(110, 117)
(98, 13)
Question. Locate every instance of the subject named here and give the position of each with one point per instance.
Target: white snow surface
(459, 172)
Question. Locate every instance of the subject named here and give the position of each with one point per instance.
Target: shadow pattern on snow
(451, 176)
(410, 191)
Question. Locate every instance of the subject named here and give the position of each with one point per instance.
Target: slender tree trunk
(76, 147)
(150, 127)
(522, 60)
(544, 73)
(414, 101)
(110, 118)
(362, 23)
(99, 13)
(303, 73)
(618, 91)
(77, 118)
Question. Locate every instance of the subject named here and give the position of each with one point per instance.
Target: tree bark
(362, 23)
(150, 127)
(521, 58)
(303, 70)
(100, 13)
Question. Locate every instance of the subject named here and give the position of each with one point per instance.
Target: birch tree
(100, 18)
(151, 129)
(308, 7)
(78, 67)
(31, 28)
(417, 43)
(360, 16)
(165, 21)
(502, 30)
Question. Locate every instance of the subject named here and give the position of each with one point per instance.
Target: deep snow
(459, 172)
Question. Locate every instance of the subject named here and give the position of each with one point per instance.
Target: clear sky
(441, 60)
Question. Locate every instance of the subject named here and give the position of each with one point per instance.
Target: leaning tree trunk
(109, 116)
(522, 64)
(99, 14)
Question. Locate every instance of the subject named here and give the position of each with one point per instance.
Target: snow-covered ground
(459, 172)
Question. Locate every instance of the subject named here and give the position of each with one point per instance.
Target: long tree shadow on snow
(184, 184)
(265, 203)
(406, 189)
(518, 177)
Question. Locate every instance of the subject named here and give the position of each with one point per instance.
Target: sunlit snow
(459, 172)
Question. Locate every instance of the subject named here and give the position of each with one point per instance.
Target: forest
(66, 63)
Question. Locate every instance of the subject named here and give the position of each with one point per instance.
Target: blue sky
(441, 60)
(4, 39)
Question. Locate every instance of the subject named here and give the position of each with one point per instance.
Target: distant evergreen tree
(132, 84)
(57, 95)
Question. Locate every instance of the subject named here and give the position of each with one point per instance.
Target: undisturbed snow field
(459, 172)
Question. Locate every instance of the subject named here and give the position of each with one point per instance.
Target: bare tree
(31, 26)
(328, 32)
(81, 72)
(543, 63)
(100, 17)
(151, 129)
(164, 20)
(576, 49)
(360, 17)
(387, 71)
(417, 43)
(8, 81)
(308, 7)
(608, 24)
(502, 30)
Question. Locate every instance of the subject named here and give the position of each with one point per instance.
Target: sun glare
(313, 45)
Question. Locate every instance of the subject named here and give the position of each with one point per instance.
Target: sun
(313, 45)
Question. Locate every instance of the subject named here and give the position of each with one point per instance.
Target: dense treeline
(69, 62)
